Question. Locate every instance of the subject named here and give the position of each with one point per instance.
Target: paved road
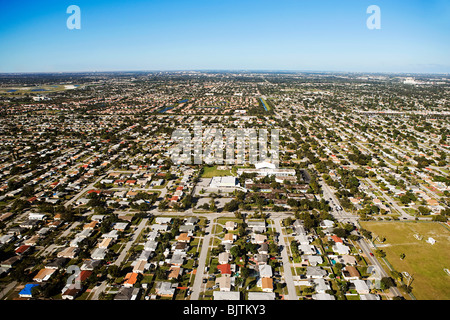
(292, 295)
(99, 290)
(85, 189)
(7, 288)
(374, 261)
(130, 242)
(122, 256)
(340, 215)
(196, 288)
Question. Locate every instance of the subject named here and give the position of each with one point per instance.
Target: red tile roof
(224, 268)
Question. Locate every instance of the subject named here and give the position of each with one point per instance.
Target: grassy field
(425, 262)
(19, 91)
(209, 172)
(268, 108)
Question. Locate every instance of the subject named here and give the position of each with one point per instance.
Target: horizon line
(229, 70)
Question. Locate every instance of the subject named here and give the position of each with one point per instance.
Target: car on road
(371, 254)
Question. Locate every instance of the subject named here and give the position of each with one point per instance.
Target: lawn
(209, 172)
(425, 262)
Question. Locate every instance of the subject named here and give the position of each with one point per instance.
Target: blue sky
(322, 35)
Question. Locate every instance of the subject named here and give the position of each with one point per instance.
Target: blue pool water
(165, 109)
(264, 105)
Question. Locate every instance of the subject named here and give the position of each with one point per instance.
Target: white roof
(98, 253)
(360, 285)
(223, 295)
(120, 225)
(261, 296)
(264, 164)
(161, 220)
(265, 270)
(223, 181)
(323, 296)
(341, 248)
(327, 223)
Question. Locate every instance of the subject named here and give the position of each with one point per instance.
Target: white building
(224, 182)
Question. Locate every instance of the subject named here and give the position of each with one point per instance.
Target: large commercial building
(266, 169)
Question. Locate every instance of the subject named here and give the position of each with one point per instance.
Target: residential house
(90, 264)
(263, 248)
(261, 258)
(303, 239)
(180, 248)
(57, 263)
(307, 249)
(266, 284)
(257, 226)
(311, 260)
(191, 221)
(261, 296)
(314, 272)
(130, 279)
(227, 295)
(44, 275)
(113, 234)
(259, 238)
(341, 248)
(121, 226)
(160, 227)
(229, 238)
(323, 296)
(166, 289)
(226, 268)
(153, 235)
(127, 293)
(265, 271)
(23, 249)
(163, 220)
(175, 272)
(177, 259)
(230, 225)
(321, 285)
(98, 254)
(150, 245)
(369, 296)
(224, 257)
(183, 237)
(71, 292)
(361, 286)
(69, 252)
(105, 243)
(224, 282)
(37, 216)
(32, 241)
(350, 273)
